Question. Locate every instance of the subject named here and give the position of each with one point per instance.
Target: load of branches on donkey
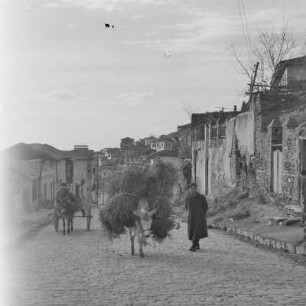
(140, 203)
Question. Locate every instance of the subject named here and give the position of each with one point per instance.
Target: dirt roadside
(273, 222)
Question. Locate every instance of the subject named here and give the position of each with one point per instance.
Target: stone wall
(290, 180)
(287, 121)
(218, 165)
(262, 152)
(198, 165)
(226, 156)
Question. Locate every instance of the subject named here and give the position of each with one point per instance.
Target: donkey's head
(145, 217)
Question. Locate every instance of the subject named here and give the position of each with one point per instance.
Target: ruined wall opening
(277, 159)
(302, 156)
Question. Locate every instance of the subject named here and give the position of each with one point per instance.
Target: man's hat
(192, 185)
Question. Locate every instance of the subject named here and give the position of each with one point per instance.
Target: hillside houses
(133, 152)
(150, 142)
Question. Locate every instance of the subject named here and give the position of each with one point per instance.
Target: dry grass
(154, 183)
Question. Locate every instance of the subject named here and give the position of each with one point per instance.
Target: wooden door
(206, 177)
(277, 171)
(303, 175)
(26, 199)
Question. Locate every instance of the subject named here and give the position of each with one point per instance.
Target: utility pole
(253, 81)
(102, 187)
(97, 179)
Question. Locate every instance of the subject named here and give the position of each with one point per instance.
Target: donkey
(65, 208)
(142, 225)
(68, 210)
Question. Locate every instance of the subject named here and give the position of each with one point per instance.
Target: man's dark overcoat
(197, 207)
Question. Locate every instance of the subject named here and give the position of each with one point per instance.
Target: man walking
(196, 205)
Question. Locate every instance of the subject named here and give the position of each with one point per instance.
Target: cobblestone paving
(84, 268)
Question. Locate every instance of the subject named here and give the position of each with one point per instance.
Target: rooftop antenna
(223, 108)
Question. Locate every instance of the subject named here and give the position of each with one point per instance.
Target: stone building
(127, 145)
(184, 134)
(164, 143)
(165, 156)
(262, 148)
(280, 128)
(280, 143)
(290, 74)
(150, 140)
(211, 147)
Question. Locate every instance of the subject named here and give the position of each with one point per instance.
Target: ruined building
(261, 148)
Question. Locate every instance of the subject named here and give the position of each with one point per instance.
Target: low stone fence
(270, 242)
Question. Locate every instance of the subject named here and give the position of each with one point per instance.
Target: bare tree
(269, 50)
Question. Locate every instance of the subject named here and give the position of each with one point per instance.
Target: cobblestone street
(84, 268)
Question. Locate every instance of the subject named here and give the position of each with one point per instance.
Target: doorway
(277, 158)
(303, 171)
(206, 177)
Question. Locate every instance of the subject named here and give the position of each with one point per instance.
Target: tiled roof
(171, 136)
(127, 138)
(187, 125)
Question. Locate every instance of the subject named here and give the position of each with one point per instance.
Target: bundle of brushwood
(156, 184)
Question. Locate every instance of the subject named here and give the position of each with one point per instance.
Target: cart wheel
(55, 219)
(88, 216)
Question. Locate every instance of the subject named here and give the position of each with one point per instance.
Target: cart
(83, 206)
(85, 213)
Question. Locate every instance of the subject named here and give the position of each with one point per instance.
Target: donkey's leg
(64, 224)
(68, 224)
(72, 223)
(140, 242)
(141, 253)
(132, 238)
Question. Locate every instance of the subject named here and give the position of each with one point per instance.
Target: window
(34, 189)
(213, 134)
(69, 171)
(303, 156)
(189, 140)
(51, 190)
(222, 131)
(277, 135)
(45, 191)
(200, 132)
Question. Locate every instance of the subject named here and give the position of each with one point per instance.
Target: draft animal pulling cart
(66, 201)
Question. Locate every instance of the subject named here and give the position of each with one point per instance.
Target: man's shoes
(192, 249)
(197, 246)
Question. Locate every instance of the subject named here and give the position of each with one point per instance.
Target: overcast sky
(66, 79)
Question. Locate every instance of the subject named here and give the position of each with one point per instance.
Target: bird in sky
(167, 54)
(107, 25)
